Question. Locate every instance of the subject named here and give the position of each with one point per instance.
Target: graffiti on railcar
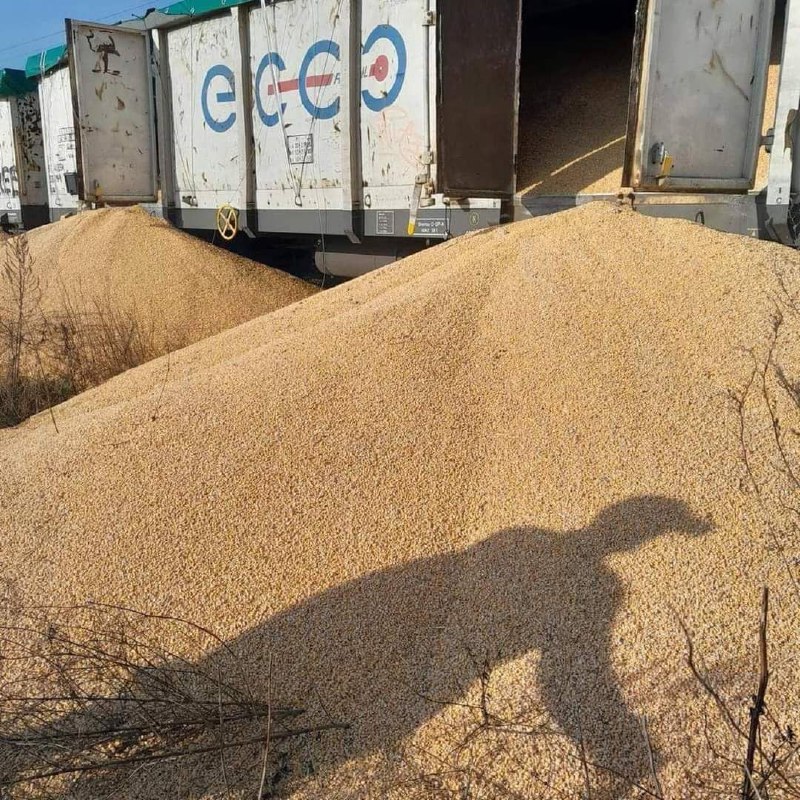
(30, 131)
(103, 49)
(9, 183)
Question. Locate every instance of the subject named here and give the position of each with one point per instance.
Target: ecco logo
(219, 85)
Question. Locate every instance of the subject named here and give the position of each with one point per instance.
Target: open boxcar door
(697, 94)
(478, 96)
(114, 112)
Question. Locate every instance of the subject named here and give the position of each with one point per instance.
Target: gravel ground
(518, 446)
(184, 288)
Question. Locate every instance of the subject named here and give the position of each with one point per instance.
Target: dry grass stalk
(49, 356)
(769, 767)
(23, 336)
(96, 695)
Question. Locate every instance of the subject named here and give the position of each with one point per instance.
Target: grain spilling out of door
(700, 96)
(771, 102)
(574, 88)
(512, 458)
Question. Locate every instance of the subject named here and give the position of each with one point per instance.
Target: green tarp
(13, 82)
(43, 62)
(197, 7)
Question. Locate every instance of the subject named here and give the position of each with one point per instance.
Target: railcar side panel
(55, 100)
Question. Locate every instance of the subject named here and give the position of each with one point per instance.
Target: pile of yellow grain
(518, 448)
(179, 288)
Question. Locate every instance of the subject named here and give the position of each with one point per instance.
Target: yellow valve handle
(227, 222)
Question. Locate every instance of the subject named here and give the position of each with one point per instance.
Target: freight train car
(51, 70)
(23, 194)
(309, 118)
(370, 128)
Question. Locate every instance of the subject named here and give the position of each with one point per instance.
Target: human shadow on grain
(384, 651)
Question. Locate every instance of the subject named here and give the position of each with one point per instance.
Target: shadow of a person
(379, 647)
(375, 648)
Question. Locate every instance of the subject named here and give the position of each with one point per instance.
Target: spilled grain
(519, 444)
(178, 286)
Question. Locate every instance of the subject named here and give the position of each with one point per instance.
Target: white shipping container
(375, 123)
(313, 117)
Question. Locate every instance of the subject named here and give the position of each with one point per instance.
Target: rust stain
(715, 63)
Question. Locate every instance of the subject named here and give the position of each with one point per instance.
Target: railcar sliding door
(113, 104)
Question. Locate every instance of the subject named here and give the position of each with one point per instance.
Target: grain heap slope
(184, 288)
(518, 445)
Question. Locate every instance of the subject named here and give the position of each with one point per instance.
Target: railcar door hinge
(429, 18)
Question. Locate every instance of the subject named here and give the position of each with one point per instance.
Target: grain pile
(182, 288)
(518, 446)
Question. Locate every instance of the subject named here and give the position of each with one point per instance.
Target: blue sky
(29, 26)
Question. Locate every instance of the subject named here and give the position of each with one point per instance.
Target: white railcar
(23, 192)
(368, 128)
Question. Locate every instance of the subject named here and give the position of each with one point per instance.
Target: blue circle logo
(391, 34)
(318, 112)
(270, 120)
(220, 71)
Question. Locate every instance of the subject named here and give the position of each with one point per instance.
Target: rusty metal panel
(30, 150)
(55, 101)
(113, 104)
(701, 98)
(478, 96)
